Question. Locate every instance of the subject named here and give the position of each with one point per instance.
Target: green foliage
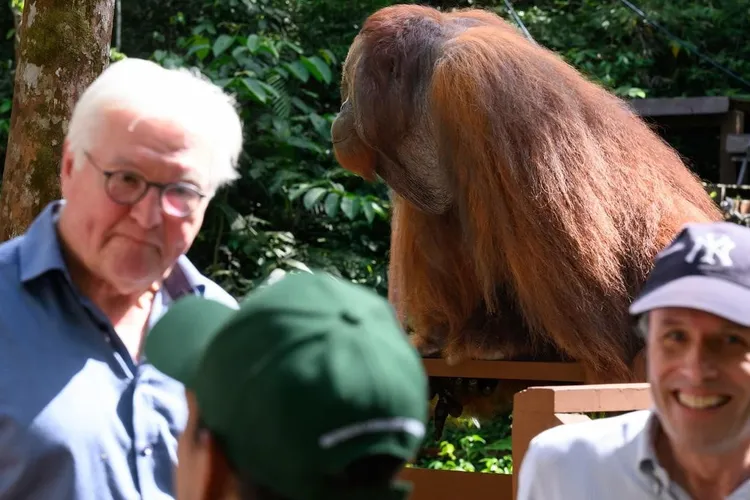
(293, 204)
(282, 60)
(468, 446)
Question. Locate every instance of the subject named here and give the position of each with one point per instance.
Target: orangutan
(528, 201)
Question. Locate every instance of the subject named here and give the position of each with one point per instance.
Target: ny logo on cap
(715, 248)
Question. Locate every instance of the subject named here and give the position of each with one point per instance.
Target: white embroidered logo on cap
(713, 248)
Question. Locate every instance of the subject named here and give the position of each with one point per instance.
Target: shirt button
(147, 451)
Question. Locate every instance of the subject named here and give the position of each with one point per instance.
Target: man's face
(193, 472)
(699, 370)
(131, 247)
(203, 472)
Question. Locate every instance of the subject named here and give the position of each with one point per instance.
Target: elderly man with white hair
(82, 414)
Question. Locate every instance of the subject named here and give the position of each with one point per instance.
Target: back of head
(179, 96)
(311, 389)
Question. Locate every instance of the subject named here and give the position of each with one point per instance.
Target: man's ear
(222, 481)
(67, 167)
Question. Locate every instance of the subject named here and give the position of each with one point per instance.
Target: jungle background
(295, 207)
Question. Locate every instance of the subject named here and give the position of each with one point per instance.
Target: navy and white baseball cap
(706, 267)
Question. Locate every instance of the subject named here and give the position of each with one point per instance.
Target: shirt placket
(141, 451)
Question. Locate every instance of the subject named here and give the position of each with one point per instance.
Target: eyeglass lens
(128, 188)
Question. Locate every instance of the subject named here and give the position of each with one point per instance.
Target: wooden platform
(505, 370)
(431, 484)
(534, 409)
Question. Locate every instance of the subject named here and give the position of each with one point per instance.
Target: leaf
(269, 89)
(332, 204)
(299, 104)
(298, 70)
(233, 217)
(675, 48)
(378, 209)
(369, 212)
(302, 143)
(321, 126)
(328, 56)
(500, 445)
(269, 48)
(350, 206)
(294, 47)
(223, 82)
(253, 42)
(300, 266)
(256, 89)
(200, 46)
(318, 68)
(313, 196)
(239, 52)
(296, 192)
(222, 43)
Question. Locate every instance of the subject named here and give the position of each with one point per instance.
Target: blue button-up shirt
(78, 418)
(609, 458)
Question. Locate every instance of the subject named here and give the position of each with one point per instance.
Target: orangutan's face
(377, 133)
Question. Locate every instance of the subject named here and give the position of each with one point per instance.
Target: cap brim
(704, 293)
(176, 343)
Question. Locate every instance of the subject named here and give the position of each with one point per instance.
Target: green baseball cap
(310, 374)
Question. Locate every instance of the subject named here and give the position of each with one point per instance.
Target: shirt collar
(646, 459)
(194, 280)
(41, 253)
(39, 249)
(646, 452)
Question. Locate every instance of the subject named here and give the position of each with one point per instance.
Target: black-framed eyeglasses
(125, 187)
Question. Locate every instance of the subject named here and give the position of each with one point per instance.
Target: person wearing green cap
(310, 391)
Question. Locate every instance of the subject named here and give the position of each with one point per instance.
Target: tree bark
(64, 46)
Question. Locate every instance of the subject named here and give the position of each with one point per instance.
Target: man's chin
(135, 284)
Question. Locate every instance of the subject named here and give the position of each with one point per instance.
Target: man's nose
(147, 212)
(699, 363)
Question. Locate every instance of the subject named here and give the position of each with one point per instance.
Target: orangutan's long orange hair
(563, 194)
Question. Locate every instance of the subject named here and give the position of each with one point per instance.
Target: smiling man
(81, 415)
(694, 311)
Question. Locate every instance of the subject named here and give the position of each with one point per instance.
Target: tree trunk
(64, 46)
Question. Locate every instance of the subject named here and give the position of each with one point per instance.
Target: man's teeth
(701, 402)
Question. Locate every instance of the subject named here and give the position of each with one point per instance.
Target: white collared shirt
(604, 459)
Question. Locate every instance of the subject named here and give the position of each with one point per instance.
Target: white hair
(180, 96)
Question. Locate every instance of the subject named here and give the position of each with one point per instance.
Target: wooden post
(733, 123)
(540, 408)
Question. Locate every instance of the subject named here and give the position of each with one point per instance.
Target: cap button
(349, 318)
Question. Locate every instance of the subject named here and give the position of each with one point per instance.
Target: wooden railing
(535, 409)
